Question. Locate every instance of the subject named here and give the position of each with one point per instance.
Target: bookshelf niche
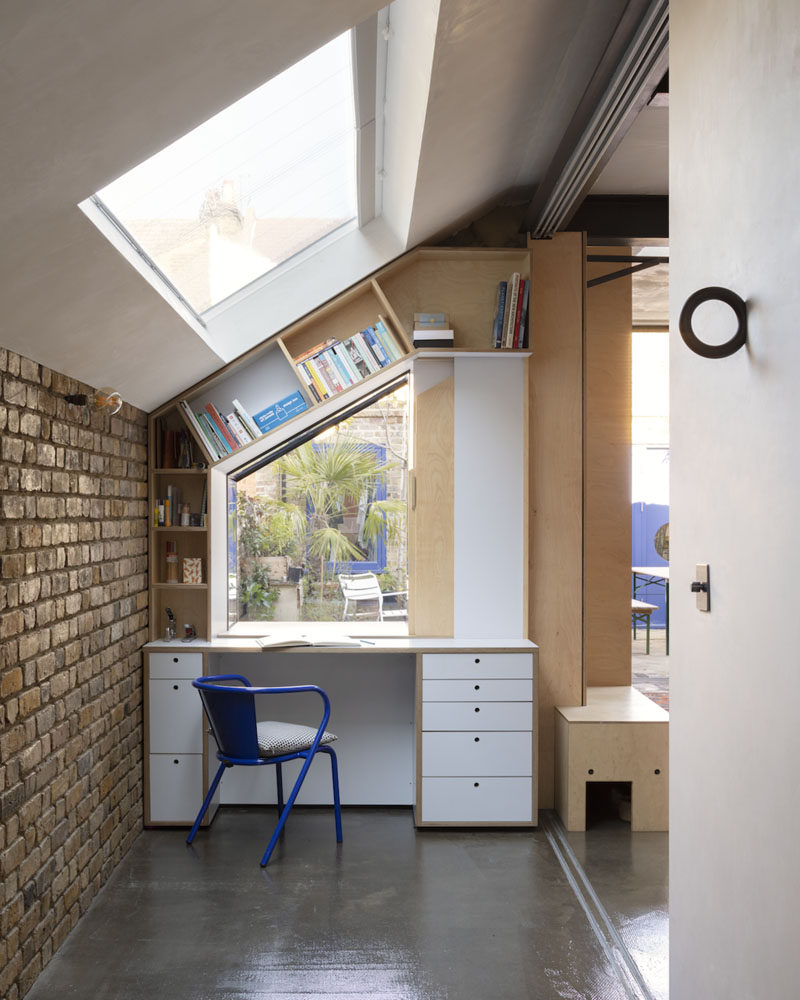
(277, 382)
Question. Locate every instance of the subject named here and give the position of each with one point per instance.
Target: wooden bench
(619, 735)
(641, 611)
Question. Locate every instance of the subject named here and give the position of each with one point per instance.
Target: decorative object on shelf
(171, 630)
(104, 400)
(189, 633)
(186, 515)
(280, 412)
(192, 569)
(710, 294)
(172, 562)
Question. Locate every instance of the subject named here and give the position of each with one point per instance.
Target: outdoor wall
(734, 500)
(73, 616)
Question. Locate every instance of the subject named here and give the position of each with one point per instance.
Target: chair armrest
(393, 593)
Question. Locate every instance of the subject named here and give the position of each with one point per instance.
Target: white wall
(735, 687)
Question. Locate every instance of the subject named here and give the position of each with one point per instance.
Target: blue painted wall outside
(646, 519)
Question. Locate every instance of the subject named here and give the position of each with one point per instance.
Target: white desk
(445, 725)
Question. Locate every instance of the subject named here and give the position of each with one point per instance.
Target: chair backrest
(359, 586)
(231, 711)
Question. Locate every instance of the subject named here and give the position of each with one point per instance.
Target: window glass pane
(256, 184)
(332, 507)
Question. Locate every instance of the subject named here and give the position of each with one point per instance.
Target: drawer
(478, 800)
(176, 664)
(477, 664)
(485, 754)
(478, 715)
(477, 687)
(175, 717)
(175, 787)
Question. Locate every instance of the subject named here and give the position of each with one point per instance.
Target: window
(252, 187)
(335, 503)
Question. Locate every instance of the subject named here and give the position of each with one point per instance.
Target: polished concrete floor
(390, 914)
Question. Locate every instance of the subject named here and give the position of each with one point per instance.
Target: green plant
(269, 527)
(328, 481)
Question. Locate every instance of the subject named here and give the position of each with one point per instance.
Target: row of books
(174, 449)
(510, 327)
(334, 365)
(222, 434)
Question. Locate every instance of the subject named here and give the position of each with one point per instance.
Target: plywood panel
(607, 478)
(556, 484)
(431, 541)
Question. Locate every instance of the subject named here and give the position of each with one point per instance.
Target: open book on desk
(303, 639)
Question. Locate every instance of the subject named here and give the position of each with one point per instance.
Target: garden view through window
(332, 509)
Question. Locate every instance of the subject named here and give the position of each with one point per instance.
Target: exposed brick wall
(73, 619)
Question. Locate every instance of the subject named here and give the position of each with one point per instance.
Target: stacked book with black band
(334, 365)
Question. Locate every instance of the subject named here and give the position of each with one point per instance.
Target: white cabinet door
(481, 715)
(477, 664)
(477, 689)
(476, 800)
(176, 664)
(176, 717)
(479, 754)
(176, 787)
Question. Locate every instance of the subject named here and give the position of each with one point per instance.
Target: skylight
(257, 184)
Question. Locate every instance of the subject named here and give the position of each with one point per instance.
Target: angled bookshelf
(461, 282)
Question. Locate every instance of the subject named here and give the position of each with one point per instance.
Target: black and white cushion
(277, 738)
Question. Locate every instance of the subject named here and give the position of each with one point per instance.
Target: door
(735, 497)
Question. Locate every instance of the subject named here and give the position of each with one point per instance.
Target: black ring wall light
(690, 338)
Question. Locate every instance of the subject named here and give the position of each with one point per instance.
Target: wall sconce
(105, 400)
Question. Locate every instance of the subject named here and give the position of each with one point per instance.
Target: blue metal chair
(231, 711)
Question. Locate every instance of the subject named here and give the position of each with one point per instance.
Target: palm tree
(331, 479)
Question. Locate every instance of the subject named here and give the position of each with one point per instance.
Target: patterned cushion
(276, 738)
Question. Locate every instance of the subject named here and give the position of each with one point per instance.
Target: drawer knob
(477, 687)
(176, 761)
(477, 739)
(477, 710)
(174, 659)
(477, 784)
(174, 687)
(591, 770)
(477, 659)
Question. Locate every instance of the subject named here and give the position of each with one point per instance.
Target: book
(520, 294)
(523, 323)
(341, 352)
(330, 374)
(369, 357)
(303, 639)
(280, 412)
(339, 366)
(221, 445)
(511, 310)
(245, 417)
(376, 347)
(317, 349)
(195, 423)
(388, 340)
(356, 357)
(312, 389)
(431, 321)
(238, 429)
(313, 374)
(216, 417)
(499, 314)
(432, 338)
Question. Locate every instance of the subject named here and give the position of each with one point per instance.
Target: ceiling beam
(613, 219)
(632, 66)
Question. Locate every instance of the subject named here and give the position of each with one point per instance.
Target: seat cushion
(276, 738)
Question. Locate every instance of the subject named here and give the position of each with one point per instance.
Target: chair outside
(358, 587)
(229, 705)
(640, 613)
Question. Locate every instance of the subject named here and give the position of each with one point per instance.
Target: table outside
(658, 576)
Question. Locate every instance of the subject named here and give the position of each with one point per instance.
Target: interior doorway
(650, 482)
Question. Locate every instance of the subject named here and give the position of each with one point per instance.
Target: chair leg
(337, 808)
(206, 802)
(648, 635)
(279, 782)
(634, 626)
(285, 813)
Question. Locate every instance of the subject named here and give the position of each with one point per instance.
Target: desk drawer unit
(476, 741)
(175, 747)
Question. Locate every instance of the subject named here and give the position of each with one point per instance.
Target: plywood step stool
(618, 735)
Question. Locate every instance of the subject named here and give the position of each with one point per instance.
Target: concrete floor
(390, 914)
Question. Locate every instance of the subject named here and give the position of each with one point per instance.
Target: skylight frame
(363, 47)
